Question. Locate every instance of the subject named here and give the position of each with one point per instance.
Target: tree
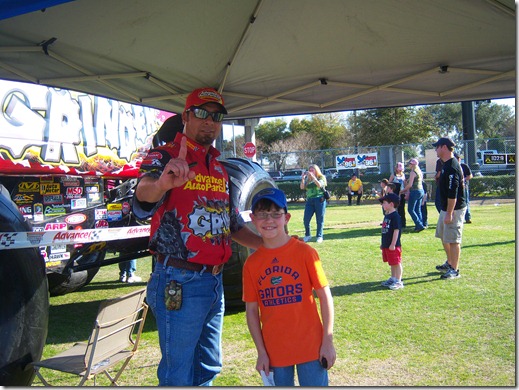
(269, 133)
(389, 126)
(494, 120)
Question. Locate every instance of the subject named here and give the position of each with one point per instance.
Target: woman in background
(314, 182)
(415, 188)
(398, 177)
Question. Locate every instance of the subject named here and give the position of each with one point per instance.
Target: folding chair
(112, 341)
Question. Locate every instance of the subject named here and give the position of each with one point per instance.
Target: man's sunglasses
(200, 113)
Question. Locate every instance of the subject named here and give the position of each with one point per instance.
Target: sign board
(494, 158)
(249, 149)
(360, 161)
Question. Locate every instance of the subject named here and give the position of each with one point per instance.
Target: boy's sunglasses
(200, 113)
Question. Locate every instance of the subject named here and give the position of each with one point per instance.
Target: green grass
(431, 333)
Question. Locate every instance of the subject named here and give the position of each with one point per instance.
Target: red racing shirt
(192, 222)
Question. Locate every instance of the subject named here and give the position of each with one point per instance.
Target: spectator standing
(390, 242)
(423, 208)
(398, 178)
(467, 176)
(453, 207)
(415, 188)
(354, 188)
(282, 314)
(383, 190)
(127, 272)
(190, 237)
(314, 182)
(437, 198)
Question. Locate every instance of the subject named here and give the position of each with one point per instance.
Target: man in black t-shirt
(453, 207)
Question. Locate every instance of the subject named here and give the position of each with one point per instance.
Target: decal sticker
(100, 214)
(52, 199)
(49, 188)
(76, 204)
(75, 219)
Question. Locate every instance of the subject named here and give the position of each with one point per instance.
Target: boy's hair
(265, 205)
(392, 186)
(391, 198)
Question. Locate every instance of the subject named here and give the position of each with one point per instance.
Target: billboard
(356, 161)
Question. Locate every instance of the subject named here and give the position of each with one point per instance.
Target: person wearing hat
(279, 281)
(390, 242)
(185, 191)
(398, 177)
(416, 193)
(453, 206)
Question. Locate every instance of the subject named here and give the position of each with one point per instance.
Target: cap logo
(210, 95)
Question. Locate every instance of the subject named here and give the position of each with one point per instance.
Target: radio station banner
(18, 240)
(499, 158)
(354, 161)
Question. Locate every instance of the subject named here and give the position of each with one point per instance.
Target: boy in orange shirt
(282, 315)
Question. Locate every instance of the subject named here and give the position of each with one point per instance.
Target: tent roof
(268, 57)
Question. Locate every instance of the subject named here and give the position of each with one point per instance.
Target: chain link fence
(492, 162)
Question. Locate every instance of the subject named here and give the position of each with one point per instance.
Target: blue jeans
(308, 374)
(314, 206)
(189, 338)
(414, 207)
(127, 268)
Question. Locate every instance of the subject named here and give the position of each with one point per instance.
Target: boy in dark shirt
(390, 246)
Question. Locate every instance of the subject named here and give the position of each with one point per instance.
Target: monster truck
(58, 221)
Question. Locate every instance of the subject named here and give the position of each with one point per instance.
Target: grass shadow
(490, 244)
(360, 288)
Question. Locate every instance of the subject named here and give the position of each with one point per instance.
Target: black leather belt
(183, 264)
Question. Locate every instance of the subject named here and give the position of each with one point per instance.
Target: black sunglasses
(200, 113)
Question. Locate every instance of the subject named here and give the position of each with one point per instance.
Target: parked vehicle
(276, 175)
(493, 163)
(480, 155)
(292, 174)
(331, 173)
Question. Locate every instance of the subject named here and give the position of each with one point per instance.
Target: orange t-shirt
(282, 281)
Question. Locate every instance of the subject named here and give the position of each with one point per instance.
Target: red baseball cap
(201, 96)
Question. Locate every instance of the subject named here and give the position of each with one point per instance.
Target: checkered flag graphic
(7, 239)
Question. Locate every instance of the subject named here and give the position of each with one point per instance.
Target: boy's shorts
(451, 233)
(392, 257)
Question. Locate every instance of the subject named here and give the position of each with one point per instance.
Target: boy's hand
(391, 247)
(263, 363)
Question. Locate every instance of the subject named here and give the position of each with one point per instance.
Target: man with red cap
(184, 188)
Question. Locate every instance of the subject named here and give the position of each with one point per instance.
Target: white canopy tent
(267, 57)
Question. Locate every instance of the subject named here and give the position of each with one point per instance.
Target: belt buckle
(217, 269)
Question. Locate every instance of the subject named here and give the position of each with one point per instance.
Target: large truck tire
(246, 179)
(24, 311)
(61, 284)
